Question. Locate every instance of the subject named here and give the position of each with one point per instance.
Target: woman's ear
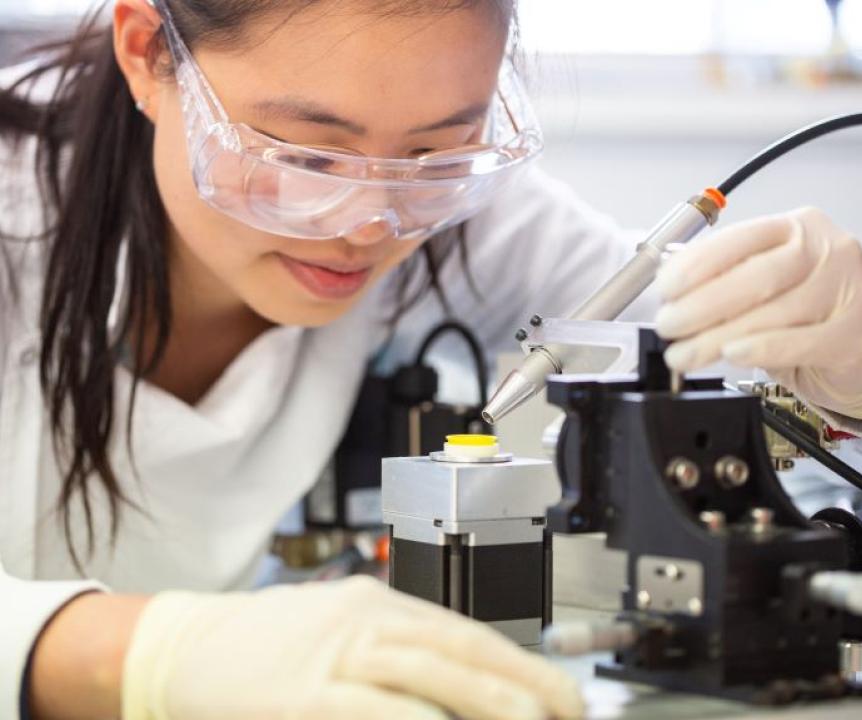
(136, 23)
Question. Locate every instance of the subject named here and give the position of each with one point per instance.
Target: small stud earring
(141, 105)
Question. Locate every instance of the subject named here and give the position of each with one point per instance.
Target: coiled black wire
(786, 144)
(773, 417)
(479, 361)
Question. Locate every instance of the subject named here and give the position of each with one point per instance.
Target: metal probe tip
(522, 384)
(515, 390)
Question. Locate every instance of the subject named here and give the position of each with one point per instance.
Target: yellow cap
(472, 440)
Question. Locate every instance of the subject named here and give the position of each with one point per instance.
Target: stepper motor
(468, 532)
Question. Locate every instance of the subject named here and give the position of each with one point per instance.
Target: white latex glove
(783, 293)
(330, 651)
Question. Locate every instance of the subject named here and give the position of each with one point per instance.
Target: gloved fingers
(796, 307)
(483, 648)
(750, 283)
(355, 701)
(470, 642)
(784, 348)
(710, 255)
(469, 693)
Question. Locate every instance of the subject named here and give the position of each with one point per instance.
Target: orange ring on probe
(716, 196)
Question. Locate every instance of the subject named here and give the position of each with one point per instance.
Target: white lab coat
(214, 479)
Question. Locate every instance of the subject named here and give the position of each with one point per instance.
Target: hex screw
(672, 572)
(732, 472)
(536, 320)
(521, 335)
(683, 472)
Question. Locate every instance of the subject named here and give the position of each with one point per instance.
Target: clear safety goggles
(313, 192)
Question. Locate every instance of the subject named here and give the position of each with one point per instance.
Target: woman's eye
(304, 162)
(317, 163)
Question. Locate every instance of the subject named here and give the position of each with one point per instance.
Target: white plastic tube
(839, 589)
(580, 638)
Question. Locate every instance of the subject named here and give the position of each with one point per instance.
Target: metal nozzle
(520, 385)
(514, 391)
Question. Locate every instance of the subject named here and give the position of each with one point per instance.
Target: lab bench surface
(613, 700)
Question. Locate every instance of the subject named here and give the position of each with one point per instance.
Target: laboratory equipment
(731, 590)
(783, 452)
(679, 226)
(467, 531)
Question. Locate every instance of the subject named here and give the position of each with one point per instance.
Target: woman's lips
(329, 282)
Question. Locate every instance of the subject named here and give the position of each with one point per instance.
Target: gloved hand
(782, 293)
(325, 651)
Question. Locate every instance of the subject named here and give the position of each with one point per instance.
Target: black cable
(772, 418)
(475, 351)
(785, 145)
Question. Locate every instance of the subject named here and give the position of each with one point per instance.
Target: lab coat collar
(255, 388)
(236, 407)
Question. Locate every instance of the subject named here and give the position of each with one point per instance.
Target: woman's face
(385, 87)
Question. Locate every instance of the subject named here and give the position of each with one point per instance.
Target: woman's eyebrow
(466, 116)
(291, 108)
(303, 110)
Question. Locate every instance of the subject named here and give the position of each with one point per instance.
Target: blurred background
(645, 102)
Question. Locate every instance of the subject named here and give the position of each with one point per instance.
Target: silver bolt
(732, 472)
(715, 520)
(683, 472)
(695, 606)
(761, 519)
(672, 572)
(644, 600)
(851, 662)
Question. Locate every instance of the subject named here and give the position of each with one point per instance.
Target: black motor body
(718, 556)
(491, 583)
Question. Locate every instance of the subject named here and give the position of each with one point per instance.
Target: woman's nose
(371, 233)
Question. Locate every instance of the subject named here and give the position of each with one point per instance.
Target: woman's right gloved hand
(324, 651)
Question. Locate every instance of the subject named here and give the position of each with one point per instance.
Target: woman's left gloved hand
(783, 293)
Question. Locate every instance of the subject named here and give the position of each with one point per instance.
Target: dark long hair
(94, 165)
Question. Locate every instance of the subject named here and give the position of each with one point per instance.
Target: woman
(181, 348)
